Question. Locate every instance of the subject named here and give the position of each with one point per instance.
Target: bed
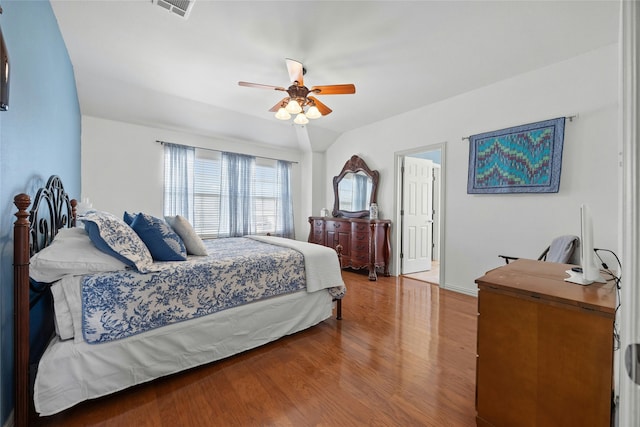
(121, 317)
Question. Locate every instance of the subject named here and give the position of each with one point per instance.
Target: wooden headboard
(33, 231)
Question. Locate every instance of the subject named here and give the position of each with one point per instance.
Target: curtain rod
(221, 151)
(570, 118)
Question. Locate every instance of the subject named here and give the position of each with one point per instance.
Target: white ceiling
(136, 62)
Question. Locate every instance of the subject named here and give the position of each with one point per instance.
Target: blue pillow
(163, 243)
(128, 218)
(112, 236)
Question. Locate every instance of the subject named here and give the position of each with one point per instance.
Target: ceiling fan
(300, 102)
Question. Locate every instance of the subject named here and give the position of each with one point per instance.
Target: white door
(417, 218)
(437, 196)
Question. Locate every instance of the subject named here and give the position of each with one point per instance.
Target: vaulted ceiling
(136, 62)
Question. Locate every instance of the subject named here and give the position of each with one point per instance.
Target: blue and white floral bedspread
(237, 271)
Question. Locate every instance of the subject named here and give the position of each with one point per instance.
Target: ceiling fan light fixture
(293, 107)
(298, 102)
(313, 113)
(301, 119)
(283, 114)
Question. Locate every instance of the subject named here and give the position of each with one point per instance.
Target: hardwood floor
(403, 355)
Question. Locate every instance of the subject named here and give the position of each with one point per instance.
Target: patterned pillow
(193, 242)
(111, 235)
(163, 243)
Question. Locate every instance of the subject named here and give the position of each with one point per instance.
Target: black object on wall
(4, 73)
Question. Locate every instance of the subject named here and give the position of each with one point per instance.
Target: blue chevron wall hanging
(521, 159)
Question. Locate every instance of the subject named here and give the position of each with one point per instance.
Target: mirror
(354, 189)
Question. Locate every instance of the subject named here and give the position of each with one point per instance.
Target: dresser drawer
(317, 237)
(360, 227)
(360, 237)
(360, 258)
(337, 225)
(360, 246)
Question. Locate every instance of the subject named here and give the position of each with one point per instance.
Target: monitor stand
(578, 278)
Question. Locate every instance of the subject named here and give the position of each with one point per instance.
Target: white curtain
(284, 203)
(228, 194)
(178, 180)
(236, 195)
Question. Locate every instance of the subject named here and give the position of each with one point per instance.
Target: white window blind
(227, 194)
(207, 170)
(208, 205)
(265, 196)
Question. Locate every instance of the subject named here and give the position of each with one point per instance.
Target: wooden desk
(545, 348)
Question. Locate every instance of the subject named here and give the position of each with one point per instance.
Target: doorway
(420, 175)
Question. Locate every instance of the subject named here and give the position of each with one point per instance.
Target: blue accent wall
(39, 137)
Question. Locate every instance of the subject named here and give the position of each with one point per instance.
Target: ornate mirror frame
(353, 165)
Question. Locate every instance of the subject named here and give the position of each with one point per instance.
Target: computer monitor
(589, 271)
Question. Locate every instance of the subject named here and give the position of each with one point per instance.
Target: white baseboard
(461, 290)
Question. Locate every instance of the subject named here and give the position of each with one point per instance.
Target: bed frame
(34, 230)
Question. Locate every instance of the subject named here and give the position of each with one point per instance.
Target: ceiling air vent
(179, 7)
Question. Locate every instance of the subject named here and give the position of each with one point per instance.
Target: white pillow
(191, 240)
(62, 319)
(71, 252)
(111, 235)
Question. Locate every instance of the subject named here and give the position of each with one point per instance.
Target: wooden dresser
(545, 348)
(365, 242)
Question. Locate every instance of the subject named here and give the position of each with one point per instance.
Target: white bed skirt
(70, 373)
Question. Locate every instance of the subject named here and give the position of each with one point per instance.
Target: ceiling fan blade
(296, 71)
(261, 86)
(334, 89)
(282, 103)
(324, 110)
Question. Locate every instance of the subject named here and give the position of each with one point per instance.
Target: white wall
(479, 227)
(122, 164)
(123, 169)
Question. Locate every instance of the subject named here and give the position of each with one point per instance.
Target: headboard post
(21, 255)
(74, 212)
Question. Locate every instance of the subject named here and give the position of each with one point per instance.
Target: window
(235, 195)
(265, 196)
(206, 186)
